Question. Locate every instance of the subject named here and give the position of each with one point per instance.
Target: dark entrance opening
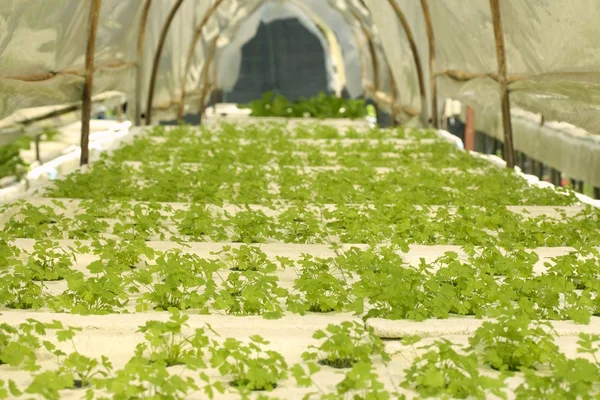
(284, 57)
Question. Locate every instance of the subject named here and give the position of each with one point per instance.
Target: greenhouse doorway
(283, 57)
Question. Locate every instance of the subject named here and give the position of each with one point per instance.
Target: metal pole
(509, 154)
(157, 55)
(86, 108)
(139, 74)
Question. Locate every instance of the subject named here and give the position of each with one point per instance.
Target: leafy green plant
(246, 258)
(568, 378)
(85, 226)
(121, 255)
(19, 291)
(320, 106)
(35, 222)
(300, 225)
(177, 280)
(458, 288)
(199, 223)
(251, 293)
(166, 343)
(395, 293)
(249, 365)
(84, 370)
(9, 388)
(142, 221)
(140, 380)
(359, 383)
(580, 267)
(9, 254)
(250, 226)
(345, 345)
(19, 344)
(442, 371)
(48, 384)
(101, 294)
(515, 342)
(320, 288)
(49, 262)
(11, 163)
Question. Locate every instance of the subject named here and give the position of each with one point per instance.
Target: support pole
(155, 64)
(86, 108)
(394, 90)
(38, 156)
(204, 88)
(139, 73)
(509, 153)
(192, 51)
(372, 50)
(432, 63)
(416, 57)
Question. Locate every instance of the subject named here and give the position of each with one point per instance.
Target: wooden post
(86, 108)
(192, 51)
(416, 57)
(509, 155)
(432, 63)
(470, 129)
(157, 55)
(38, 156)
(139, 72)
(394, 90)
(204, 88)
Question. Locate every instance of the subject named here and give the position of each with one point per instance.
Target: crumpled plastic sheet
(43, 48)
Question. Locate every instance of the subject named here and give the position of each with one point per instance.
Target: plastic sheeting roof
(552, 51)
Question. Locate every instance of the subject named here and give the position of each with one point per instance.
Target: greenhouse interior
(299, 199)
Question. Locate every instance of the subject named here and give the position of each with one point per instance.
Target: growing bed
(382, 241)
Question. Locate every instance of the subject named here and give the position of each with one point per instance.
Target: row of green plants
(219, 183)
(401, 224)
(276, 131)
(265, 170)
(260, 165)
(320, 106)
(130, 276)
(512, 345)
(259, 144)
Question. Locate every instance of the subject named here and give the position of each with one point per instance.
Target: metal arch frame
(376, 76)
(157, 56)
(188, 64)
(415, 53)
(204, 82)
(198, 34)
